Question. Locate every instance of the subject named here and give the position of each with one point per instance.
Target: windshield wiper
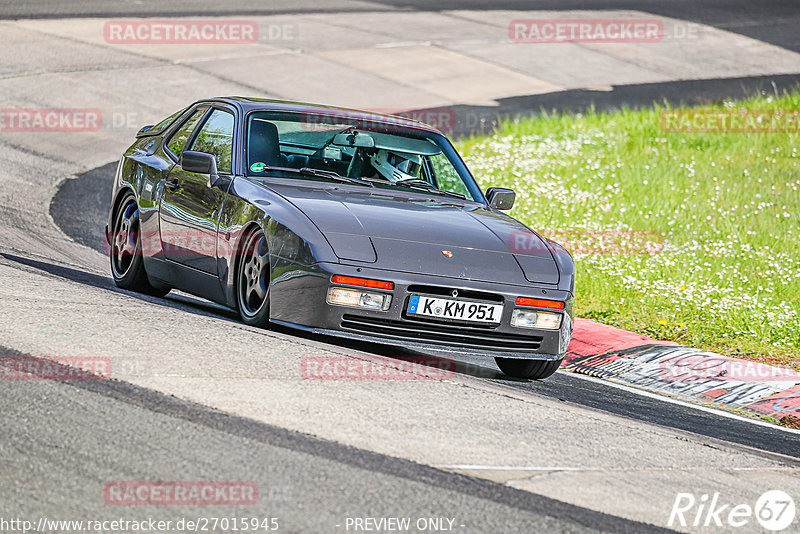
(308, 171)
(332, 175)
(422, 185)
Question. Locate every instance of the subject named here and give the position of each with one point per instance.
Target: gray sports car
(338, 222)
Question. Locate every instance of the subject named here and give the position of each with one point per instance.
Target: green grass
(690, 237)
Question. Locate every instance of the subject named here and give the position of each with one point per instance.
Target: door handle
(173, 185)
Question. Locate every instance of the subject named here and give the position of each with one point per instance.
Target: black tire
(125, 250)
(252, 279)
(532, 369)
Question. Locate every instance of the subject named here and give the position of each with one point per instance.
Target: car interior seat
(264, 145)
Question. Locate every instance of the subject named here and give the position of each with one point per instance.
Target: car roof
(249, 103)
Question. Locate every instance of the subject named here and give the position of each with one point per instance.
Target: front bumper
(298, 299)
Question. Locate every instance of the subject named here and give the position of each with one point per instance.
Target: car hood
(404, 231)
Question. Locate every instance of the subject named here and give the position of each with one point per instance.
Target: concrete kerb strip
(683, 372)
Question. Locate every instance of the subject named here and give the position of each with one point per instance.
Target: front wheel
(532, 369)
(252, 280)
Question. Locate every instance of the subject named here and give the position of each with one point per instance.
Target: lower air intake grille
(452, 336)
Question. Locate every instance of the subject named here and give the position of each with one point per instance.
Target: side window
(168, 121)
(177, 142)
(216, 137)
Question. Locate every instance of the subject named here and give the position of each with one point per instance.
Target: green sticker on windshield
(258, 167)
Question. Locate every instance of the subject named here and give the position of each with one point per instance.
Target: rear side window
(177, 142)
(216, 137)
(167, 122)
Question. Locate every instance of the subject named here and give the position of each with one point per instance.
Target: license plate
(456, 310)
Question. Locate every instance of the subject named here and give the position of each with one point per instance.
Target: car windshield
(375, 153)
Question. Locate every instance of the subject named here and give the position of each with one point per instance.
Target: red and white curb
(631, 359)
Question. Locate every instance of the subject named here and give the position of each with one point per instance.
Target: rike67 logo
(774, 510)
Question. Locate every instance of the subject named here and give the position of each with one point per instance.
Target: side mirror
(501, 198)
(201, 163)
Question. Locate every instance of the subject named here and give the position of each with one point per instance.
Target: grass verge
(689, 237)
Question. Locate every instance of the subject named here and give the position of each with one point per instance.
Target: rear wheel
(252, 280)
(125, 251)
(533, 369)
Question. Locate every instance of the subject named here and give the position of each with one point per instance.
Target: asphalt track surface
(769, 21)
(81, 202)
(126, 430)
